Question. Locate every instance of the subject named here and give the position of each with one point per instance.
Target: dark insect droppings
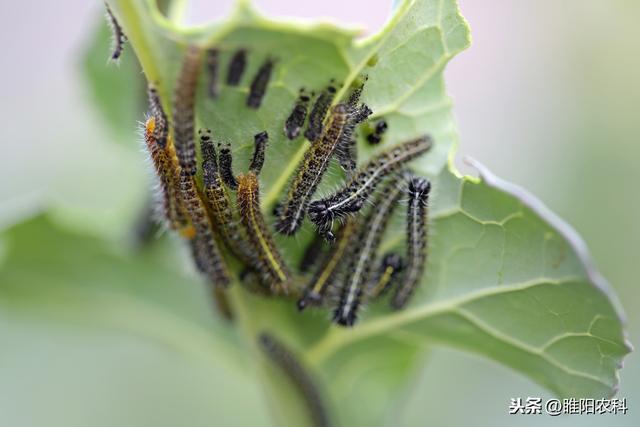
(259, 84)
(236, 67)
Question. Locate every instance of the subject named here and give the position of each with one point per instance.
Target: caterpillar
(259, 84)
(213, 67)
(219, 296)
(376, 136)
(328, 272)
(310, 172)
(167, 171)
(351, 198)
(119, 38)
(417, 217)
(236, 67)
(389, 269)
(296, 119)
(183, 110)
(286, 361)
(257, 161)
(359, 268)
(209, 255)
(318, 113)
(267, 258)
(161, 125)
(346, 152)
(218, 201)
(226, 167)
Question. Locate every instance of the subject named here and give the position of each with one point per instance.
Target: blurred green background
(546, 97)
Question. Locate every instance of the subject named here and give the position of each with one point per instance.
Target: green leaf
(506, 279)
(131, 316)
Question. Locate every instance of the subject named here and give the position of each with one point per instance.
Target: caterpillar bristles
(258, 87)
(367, 241)
(296, 119)
(119, 38)
(310, 172)
(416, 258)
(328, 272)
(289, 365)
(351, 198)
(236, 67)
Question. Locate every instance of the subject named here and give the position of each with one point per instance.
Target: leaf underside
(505, 278)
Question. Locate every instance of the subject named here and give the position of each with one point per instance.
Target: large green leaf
(506, 279)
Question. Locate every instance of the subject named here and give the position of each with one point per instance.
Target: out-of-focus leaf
(66, 299)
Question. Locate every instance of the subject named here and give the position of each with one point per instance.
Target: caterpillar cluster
(218, 211)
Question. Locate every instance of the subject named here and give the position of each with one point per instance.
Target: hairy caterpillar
(266, 258)
(161, 125)
(119, 38)
(219, 295)
(351, 198)
(269, 262)
(209, 255)
(257, 161)
(218, 201)
(363, 253)
(318, 113)
(417, 212)
(226, 167)
(259, 84)
(310, 172)
(183, 110)
(346, 151)
(236, 67)
(295, 121)
(167, 170)
(328, 271)
(286, 361)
